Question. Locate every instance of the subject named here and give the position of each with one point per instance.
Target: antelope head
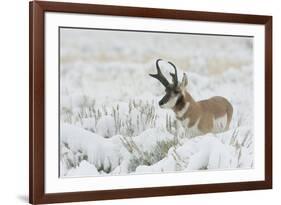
(174, 90)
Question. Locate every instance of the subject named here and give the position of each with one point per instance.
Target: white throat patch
(171, 103)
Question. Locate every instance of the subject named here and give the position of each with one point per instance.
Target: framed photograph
(140, 102)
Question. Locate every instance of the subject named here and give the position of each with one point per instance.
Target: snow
(149, 138)
(210, 153)
(202, 152)
(84, 169)
(104, 153)
(111, 123)
(106, 126)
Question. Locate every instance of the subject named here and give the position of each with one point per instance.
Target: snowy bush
(104, 153)
(106, 126)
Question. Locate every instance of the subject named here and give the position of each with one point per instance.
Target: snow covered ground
(111, 123)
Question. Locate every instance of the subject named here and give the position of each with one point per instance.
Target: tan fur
(206, 111)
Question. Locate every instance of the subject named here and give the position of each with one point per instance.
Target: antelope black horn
(174, 75)
(159, 76)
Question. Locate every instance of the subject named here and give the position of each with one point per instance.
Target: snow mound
(206, 152)
(147, 140)
(84, 169)
(104, 153)
(209, 151)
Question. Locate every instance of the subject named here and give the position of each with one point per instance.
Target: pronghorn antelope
(201, 117)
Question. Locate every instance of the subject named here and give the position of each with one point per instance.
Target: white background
(14, 100)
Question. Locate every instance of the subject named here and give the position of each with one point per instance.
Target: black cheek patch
(164, 99)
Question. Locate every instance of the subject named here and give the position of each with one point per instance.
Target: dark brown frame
(37, 95)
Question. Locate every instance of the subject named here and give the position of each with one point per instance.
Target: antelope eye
(176, 92)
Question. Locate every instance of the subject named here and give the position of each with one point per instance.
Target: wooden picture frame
(37, 10)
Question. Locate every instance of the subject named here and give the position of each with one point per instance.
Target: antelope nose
(160, 103)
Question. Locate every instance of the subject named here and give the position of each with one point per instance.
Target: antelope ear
(184, 81)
